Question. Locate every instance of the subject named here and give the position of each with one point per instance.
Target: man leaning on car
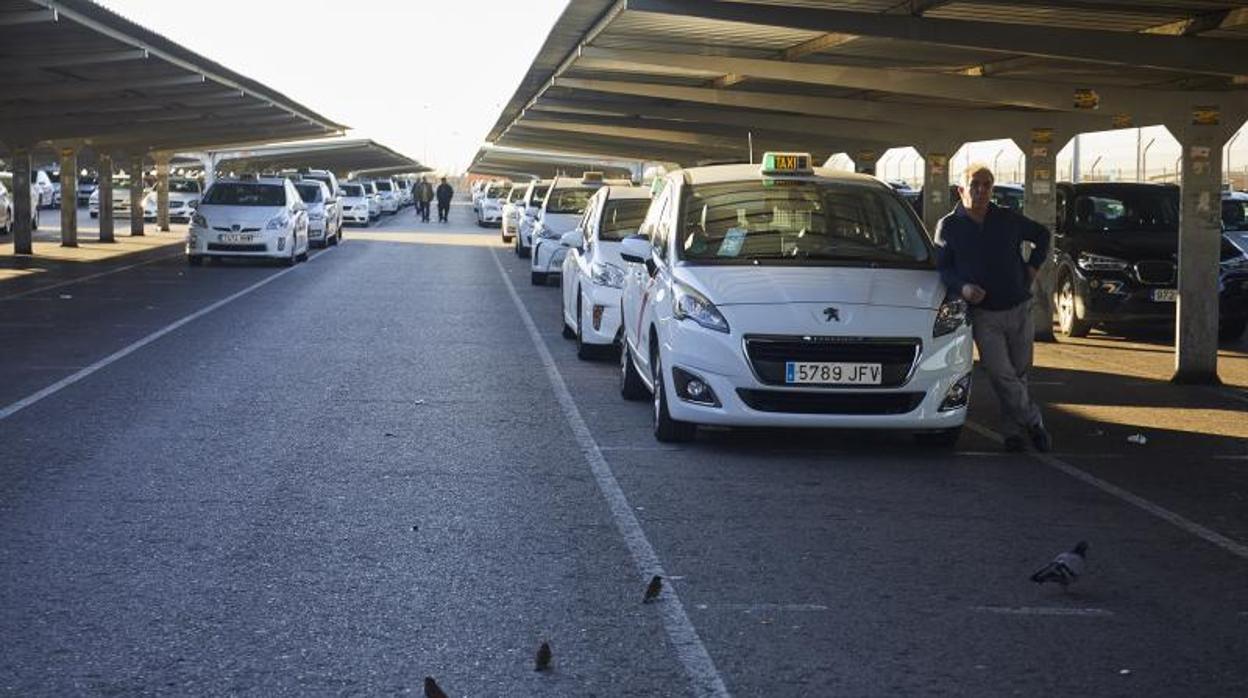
(978, 253)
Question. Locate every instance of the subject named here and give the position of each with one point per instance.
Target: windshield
(800, 222)
(1008, 197)
(1235, 214)
(1137, 211)
(310, 193)
(621, 218)
(496, 192)
(184, 186)
(383, 186)
(245, 194)
(539, 194)
(352, 190)
(569, 200)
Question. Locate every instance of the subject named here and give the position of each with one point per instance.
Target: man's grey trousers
(1005, 340)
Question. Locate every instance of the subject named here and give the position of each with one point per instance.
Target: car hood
(1130, 246)
(762, 285)
(248, 216)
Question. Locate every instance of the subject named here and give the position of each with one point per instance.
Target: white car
(561, 211)
(529, 207)
(490, 208)
(388, 195)
(355, 204)
(184, 194)
(374, 199)
(249, 218)
(333, 205)
(121, 200)
(790, 296)
(511, 211)
(405, 192)
(316, 197)
(41, 184)
(593, 272)
(6, 204)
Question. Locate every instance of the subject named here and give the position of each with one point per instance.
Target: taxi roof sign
(787, 163)
(592, 177)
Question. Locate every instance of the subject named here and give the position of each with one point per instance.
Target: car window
(310, 193)
(383, 186)
(352, 190)
(569, 200)
(800, 222)
(621, 218)
(1235, 214)
(1128, 211)
(1008, 197)
(496, 192)
(539, 194)
(245, 194)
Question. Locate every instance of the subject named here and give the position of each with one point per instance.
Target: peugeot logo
(236, 227)
(831, 314)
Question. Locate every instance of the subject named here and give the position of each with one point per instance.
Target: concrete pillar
(1040, 147)
(105, 167)
(69, 197)
(23, 236)
(136, 195)
(865, 161)
(936, 179)
(1202, 134)
(162, 192)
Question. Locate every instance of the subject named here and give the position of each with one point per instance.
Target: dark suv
(1116, 259)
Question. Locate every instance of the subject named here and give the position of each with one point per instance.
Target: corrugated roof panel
(715, 35)
(1125, 20)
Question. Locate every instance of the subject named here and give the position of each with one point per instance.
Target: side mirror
(573, 239)
(635, 249)
(194, 204)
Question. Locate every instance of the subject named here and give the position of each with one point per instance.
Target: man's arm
(945, 260)
(1039, 236)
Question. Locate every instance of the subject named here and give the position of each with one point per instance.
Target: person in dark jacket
(445, 192)
(424, 195)
(979, 256)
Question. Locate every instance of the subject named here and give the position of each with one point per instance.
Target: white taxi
(490, 207)
(593, 273)
(511, 211)
(263, 217)
(560, 213)
(790, 296)
(529, 208)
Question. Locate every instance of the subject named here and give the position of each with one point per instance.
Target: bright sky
(425, 77)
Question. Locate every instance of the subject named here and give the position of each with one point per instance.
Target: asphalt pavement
(386, 463)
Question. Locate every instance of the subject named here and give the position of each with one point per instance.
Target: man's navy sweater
(989, 255)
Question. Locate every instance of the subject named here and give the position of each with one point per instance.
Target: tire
(34, 223)
(304, 256)
(517, 246)
(1231, 330)
(565, 329)
(333, 242)
(1068, 321)
(95, 215)
(537, 278)
(194, 260)
(631, 386)
(292, 259)
(584, 351)
(944, 440)
(666, 429)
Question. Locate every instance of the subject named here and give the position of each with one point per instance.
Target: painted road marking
(1042, 611)
(128, 350)
(680, 631)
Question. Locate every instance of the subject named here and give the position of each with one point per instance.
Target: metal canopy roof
(517, 163)
(686, 80)
(74, 72)
(339, 156)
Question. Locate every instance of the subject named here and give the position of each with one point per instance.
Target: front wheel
(631, 386)
(1068, 321)
(584, 351)
(666, 429)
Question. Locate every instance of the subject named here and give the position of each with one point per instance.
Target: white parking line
(1042, 611)
(680, 631)
(88, 277)
(1232, 546)
(69, 380)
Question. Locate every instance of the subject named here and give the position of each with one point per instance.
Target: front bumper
(719, 360)
(601, 307)
(263, 244)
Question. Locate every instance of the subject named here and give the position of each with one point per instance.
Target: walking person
(424, 195)
(445, 192)
(979, 256)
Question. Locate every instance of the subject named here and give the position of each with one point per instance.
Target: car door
(576, 263)
(638, 285)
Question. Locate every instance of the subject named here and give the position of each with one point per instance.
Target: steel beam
(65, 60)
(75, 90)
(13, 19)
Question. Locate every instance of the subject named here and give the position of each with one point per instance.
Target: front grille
(228, 229)
(1159, 273)
(809, 402)
(224, 247)
(768, 354)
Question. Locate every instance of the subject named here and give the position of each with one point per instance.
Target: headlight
(278, 222)
(607, 274)
(950, 317)
(198, 221)
(688, 304)
(1095, 262)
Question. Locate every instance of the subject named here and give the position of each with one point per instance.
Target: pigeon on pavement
(1065, 569)
(543, 657)
(432, 689)
(653, 589)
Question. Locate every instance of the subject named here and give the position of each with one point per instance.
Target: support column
(936, 198)
(1202, 135)
(23, 236)
(162, 192)
(69, 197)
(1040, 146)
(105, 174)
(136, 195)
(865, 161)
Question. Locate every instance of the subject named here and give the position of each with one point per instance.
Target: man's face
(978, 191)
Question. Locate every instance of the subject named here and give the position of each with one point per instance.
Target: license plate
(825, 373)
(1165, 295)
(236, 237)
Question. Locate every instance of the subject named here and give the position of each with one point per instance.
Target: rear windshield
(569, 200)
(184, 186)
(245, 194)
(800, 223)
(310, 193)
(621, 218)
(1127, 211)
(383, 186)
(352, 190)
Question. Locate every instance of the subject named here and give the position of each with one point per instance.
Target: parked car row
(746, 295)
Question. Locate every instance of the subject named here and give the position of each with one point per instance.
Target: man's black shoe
(1040, 439)
(1014, 443)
